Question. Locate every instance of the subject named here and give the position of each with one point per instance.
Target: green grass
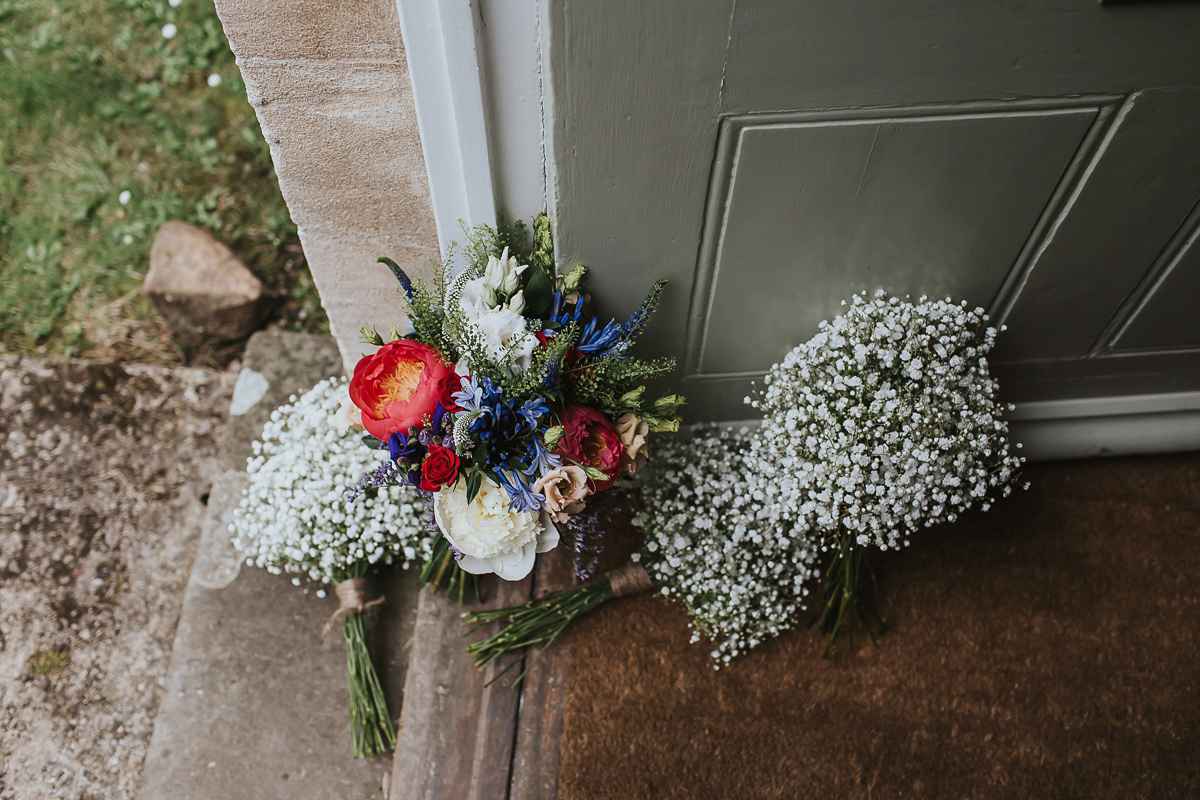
(95, 101)
(50, 662)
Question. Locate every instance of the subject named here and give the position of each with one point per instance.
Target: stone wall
(330, 85)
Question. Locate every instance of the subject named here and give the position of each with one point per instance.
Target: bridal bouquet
(886, 421)
(742, 581)
(294, 518)
(510, 403)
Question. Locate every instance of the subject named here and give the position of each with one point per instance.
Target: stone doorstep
(459, 737)
(254, 704)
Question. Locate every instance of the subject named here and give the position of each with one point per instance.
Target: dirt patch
(103, 476)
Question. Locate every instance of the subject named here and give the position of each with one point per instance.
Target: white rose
(489, 536)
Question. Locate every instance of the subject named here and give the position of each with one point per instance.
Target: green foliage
(50, 662)
(607, 383)
(94, 101)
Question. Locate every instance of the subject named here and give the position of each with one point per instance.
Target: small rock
(201, 288)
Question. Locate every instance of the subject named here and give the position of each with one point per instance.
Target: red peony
(590, 439)
(399, 385)
(439, 468)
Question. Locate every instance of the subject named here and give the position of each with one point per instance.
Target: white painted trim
(511, 54)
(1098, 426)
(1108, 426)
(443, 66)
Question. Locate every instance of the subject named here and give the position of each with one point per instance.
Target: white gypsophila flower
(742, 580)
(169, 30)
(884, 422)
(488, 535)
(294, 515)
(214, 80)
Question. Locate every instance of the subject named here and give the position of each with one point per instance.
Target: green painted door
(1039, 159)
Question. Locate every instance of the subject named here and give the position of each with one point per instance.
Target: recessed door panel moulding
(807, 208)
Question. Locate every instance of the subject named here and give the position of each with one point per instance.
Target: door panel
(772, 157)
(931, 204)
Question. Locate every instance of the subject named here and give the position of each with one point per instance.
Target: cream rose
(490, 537)
(565, 489)
(632, 430)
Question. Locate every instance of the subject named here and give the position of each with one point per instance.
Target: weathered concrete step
(255, 701)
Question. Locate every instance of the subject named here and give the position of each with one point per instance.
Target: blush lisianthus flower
(565, 488)
(633, 430)
(488, 535)
(399, 385)
(590, 439)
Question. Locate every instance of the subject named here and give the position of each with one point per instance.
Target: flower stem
(847, 596)
(536, 623)
(442, 573)
(370, 723)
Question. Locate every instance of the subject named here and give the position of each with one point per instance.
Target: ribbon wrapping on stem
(629, 578)
(353, 598)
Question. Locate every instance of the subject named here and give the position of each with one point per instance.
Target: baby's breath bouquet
(884, 422)
(740, 574)
(295, 517)
(510, 402)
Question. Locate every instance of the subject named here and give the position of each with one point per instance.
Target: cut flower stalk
(537, 623)
(370, 723)
(847, 594)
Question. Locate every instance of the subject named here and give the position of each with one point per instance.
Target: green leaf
(539, 291)
(474, 481)
(595, 474)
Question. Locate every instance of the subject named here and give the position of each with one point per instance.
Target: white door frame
(476, 72)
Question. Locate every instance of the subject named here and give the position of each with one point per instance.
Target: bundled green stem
(536, 623)
(442, 573)
(847, 595)
(370, 723)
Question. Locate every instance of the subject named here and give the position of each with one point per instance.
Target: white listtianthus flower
(294, 515)
(503, 331)
(488, 535)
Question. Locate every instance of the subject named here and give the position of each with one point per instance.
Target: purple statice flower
(386, 474)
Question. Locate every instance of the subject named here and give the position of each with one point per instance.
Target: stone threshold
(255, 700)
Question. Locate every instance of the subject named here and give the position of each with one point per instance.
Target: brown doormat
(1047, 649)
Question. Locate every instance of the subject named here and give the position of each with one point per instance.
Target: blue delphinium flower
(541, 460)
(532, 411)
(520, 497)
(401, 446)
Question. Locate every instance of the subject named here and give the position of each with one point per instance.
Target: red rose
(590, 439)
(439, 468)
(398, 386)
